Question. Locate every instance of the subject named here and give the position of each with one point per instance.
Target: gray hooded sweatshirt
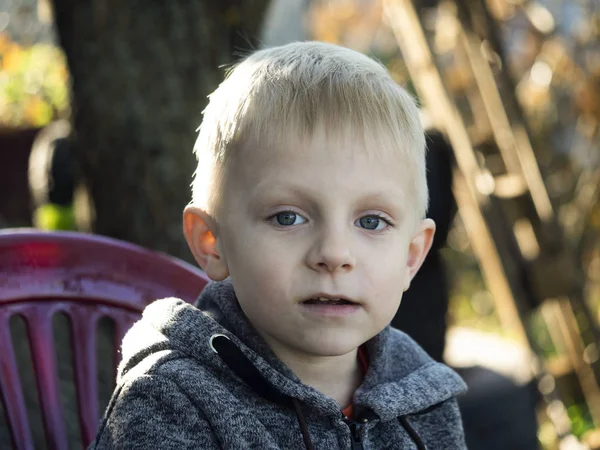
(202, 378)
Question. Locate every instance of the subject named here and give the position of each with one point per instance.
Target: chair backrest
(86, 278)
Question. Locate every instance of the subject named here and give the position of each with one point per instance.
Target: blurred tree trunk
(141, 72)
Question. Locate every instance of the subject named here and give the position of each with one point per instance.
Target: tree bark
(141, 73)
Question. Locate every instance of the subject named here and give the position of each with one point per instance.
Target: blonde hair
(286, 92)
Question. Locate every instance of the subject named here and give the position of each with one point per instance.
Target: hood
(401, 379)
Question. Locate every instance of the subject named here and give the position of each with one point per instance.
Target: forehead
(324, 163)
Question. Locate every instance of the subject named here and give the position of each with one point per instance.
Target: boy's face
(319, 219)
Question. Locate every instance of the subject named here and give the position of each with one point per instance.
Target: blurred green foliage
(33, 84)
(54, 217)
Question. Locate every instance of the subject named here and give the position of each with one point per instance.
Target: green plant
(33, 83)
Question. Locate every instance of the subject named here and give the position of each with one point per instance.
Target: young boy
(307, 212)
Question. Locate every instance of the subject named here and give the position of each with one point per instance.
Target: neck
(337, 377)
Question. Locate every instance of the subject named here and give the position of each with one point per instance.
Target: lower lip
(330, 310)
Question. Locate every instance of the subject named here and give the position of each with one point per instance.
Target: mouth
(329, 300)
(324, 306)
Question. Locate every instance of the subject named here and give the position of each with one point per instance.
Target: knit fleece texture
(174, 391)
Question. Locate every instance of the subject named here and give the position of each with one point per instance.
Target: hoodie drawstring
(412, 433)
(239, 364)
(303, 426)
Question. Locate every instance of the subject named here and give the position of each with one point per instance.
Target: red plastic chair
(85, 277)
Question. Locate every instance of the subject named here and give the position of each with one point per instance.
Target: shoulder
(171, 370)
(166, 376)
(152, 408)
(169, 332)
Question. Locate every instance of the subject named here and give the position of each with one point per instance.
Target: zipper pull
(356, 435)
(356, 430)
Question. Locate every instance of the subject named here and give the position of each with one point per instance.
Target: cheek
(257, 255)
(257, 266)
(389, 256)
(386, 273)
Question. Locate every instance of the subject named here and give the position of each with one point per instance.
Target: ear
(420, 245)
(200, 230)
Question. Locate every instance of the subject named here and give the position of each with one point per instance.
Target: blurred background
(99, 102)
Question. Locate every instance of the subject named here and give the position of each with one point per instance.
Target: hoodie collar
(219, 302)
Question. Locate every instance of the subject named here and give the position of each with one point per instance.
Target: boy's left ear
(420, 245)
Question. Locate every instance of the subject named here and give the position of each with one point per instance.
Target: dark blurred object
(422, 313)
(53, 179)
(498, 414)
(51, 166)
(15, 201)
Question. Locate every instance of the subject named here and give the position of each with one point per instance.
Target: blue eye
(372, 223)
(288, 218)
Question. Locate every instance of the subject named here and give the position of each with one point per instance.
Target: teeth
(325, 299)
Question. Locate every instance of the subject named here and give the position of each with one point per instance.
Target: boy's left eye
(372, 223)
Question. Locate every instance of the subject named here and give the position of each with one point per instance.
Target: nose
(331, 252)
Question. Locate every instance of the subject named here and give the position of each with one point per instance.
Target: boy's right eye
(288, 218)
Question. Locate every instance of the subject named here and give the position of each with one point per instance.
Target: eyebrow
(379, 199)
(265, 194)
